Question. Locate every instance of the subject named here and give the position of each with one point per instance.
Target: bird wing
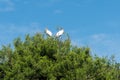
(59, 33)
(49, 32)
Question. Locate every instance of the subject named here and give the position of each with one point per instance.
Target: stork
(48, 32)
(59, 33)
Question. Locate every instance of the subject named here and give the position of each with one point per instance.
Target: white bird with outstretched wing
(48, 32)
(59, 33)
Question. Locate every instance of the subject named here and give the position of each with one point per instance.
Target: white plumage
(59, 33)
(48, 32)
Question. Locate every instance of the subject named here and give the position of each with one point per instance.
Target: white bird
(48, 32)
(59, 33)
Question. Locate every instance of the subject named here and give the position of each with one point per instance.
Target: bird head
(59, 28)
(46, 29)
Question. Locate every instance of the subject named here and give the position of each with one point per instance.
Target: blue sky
(93, 23)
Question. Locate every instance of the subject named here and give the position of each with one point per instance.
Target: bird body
(59, 33)
(48, 32)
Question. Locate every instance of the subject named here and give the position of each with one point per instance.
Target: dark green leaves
(49, 58)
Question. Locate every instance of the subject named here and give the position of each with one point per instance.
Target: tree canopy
(41, 57)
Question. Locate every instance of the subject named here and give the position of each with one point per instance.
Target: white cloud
(6, 5)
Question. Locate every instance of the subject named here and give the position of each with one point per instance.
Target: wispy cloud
(112, 24)
(106, 44)
(6, 5)
(23, 29)
(57, 11)
(48, 3)
(101, 44)
(82, 3)
(98, 37)
(8, 32)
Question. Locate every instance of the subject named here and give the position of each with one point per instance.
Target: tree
(40, 57)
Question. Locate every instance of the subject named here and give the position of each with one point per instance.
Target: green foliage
(49, 58)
